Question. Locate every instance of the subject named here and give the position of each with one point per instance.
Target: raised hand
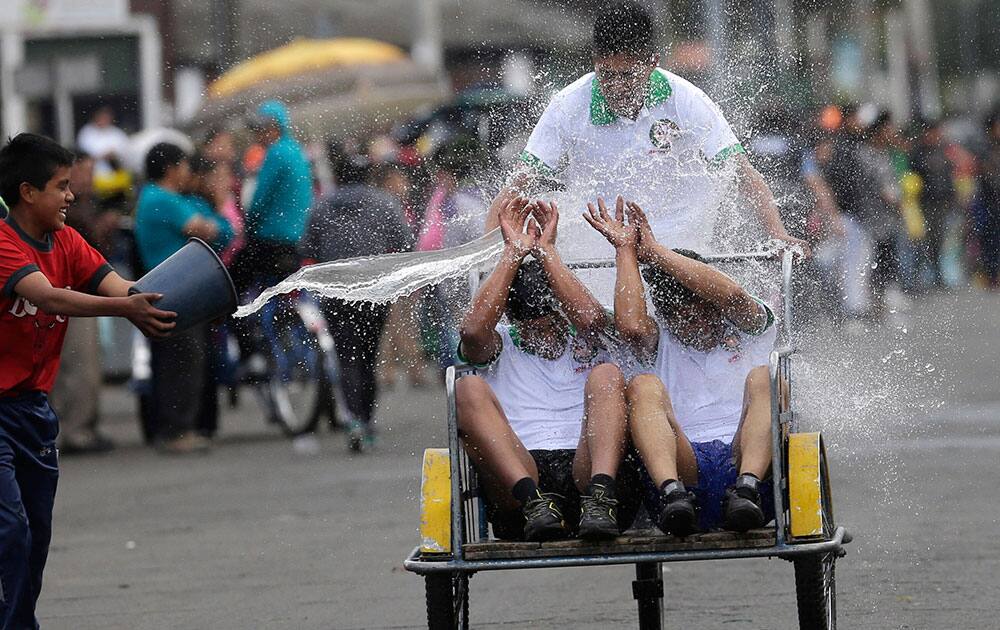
(548, 220)
(512, 217)
(646, 240)
(614, 229)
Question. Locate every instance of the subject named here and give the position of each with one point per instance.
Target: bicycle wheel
(298, 390)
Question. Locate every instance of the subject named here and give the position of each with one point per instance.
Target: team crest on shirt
(584, 352)
(662, 134)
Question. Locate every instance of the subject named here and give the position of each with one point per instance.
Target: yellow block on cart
(805, 496)
(435, 502)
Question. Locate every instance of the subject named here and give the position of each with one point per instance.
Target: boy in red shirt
(47, 274)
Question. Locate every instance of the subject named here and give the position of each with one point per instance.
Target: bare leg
(663, 447)
(752, 442)
(603, 435)
(499, 455)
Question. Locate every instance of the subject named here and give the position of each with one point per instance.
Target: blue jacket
(283, 195)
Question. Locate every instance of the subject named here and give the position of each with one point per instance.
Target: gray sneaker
(598, 515)
(543, 520)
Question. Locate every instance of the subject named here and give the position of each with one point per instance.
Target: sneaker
(741, 508)
(678, 516)
(357, 436)
(543, 520)
(598, 515)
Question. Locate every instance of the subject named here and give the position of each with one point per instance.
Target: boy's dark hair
(666, 290)
(624, 28)
(161, 157)
(30, 158)
(530, 295)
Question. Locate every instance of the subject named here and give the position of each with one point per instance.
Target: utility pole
(428, 48)
(716, 25)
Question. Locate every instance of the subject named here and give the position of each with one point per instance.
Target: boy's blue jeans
(28, 476)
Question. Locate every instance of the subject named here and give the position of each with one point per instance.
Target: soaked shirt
(706, 388)
(666, 160)
(542, 398)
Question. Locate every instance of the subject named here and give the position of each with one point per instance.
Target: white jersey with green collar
(666, 160)
(542, 399)
(706, 388)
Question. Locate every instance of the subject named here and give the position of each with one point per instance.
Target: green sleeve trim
(536, 164)
(726, 153)
(492, 360)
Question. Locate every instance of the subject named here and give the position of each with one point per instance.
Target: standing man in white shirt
(708, 347)
(104, 141)
(544, 420)
(635, 129)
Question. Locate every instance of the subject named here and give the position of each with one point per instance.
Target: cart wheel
(816, 592)
(447, 601)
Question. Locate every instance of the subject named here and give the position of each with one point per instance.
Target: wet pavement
(258, 535)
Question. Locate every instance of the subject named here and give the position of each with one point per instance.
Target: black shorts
(555, 474)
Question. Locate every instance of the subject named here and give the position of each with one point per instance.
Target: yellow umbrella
(303, 56)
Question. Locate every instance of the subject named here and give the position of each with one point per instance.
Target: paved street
(256, 535)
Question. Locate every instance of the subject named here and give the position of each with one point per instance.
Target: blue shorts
(716, 472)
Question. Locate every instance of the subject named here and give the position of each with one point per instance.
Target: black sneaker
(741, 508)
(543, 520)
(598, 515)
(678, 516)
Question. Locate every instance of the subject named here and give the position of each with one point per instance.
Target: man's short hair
(30, 158)
(530, 295)
(161, 158)
(623, 28)
(666, 290)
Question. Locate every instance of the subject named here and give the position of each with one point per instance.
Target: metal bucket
(194, 284)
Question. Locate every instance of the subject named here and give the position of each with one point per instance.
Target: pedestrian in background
(455, 215)
(76, 395)
(400, 348)
(275, 218)
(164, 220)
(104, 141)
(937, 198)
(357, 219)
(988, 207)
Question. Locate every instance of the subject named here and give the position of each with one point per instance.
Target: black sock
(524, 490)
(601, 479)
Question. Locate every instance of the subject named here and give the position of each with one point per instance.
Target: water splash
(385, 278)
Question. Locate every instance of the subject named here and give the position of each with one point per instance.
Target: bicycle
(296, 384)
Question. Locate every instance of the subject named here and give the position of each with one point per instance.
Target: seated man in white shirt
(703, 416)
(546, 439)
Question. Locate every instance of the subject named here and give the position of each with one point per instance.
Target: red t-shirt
(31, 340)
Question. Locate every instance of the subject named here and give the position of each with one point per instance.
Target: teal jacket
(281, 201)
(160, 218)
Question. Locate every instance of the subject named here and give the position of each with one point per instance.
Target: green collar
(601, 114)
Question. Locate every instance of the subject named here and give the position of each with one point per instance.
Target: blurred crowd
(891, 213)
(269, 205)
